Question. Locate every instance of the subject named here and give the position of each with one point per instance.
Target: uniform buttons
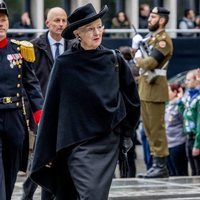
(19, 66)
(17, 104)
(19, 76)
(18, 85)
(18, 48)
(17, 94)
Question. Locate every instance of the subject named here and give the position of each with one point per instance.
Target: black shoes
(158, 170)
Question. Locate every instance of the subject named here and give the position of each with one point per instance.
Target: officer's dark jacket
(44, 59)
(17, 77)
(84, 100)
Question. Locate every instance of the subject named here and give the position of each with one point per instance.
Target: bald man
(45, 44)
(45, 50)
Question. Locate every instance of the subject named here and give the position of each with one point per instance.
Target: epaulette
(26, 49)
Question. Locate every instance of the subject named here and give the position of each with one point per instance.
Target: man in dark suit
(46, 44)
(46, 52)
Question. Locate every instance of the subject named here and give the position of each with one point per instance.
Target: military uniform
(17, 79)
(154, 92)
(157, 92)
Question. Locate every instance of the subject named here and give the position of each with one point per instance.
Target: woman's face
(90, 35)
(121, 17)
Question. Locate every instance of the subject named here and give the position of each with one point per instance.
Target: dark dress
(85, 100)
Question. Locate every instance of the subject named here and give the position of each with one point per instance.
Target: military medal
(11, 65)
(14, 59)
(13, 62)
(17, 59)
(20, 58)
(10, 58)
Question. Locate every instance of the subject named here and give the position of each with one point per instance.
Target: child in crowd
(177, 160)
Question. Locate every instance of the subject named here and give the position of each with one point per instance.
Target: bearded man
(153, 88)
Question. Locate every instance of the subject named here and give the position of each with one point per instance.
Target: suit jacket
(44, 59)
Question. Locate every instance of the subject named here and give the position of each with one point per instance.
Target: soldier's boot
(142, 175)
(158, 170)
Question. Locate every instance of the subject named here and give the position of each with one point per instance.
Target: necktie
(57, 52)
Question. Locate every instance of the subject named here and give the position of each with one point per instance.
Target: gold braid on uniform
(26, 49)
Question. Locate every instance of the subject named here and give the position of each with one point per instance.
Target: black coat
(44, 59)
(84, 100)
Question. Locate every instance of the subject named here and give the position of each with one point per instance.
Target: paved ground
(173, 188)
(18, 190)
(18, 186)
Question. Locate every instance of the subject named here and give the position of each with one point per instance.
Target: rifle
(143, 47)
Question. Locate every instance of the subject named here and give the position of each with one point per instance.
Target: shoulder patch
(162, 44)
(26, 49)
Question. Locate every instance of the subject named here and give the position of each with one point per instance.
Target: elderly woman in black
(91, 103)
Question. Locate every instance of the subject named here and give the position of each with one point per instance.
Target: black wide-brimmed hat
(80, 17)
(3, 8)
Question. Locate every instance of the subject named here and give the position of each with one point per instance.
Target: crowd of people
(84, 103)
(189, 20)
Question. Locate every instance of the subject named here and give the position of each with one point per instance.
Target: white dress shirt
(53, 46)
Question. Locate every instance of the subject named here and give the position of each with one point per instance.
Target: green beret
(160, 11)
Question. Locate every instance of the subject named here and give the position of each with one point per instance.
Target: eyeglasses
(91, 30)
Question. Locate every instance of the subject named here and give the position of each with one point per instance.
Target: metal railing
(173, 32)
(110, 30)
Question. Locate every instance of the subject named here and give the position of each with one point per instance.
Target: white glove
(138, 54)
(136, 41)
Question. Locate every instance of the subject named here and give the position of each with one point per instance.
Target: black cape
(87, 96)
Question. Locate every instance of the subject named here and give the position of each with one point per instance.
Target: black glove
(126, 144)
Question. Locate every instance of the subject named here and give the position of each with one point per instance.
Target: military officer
(153, 89)
(16, 79)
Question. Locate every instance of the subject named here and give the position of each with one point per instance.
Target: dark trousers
(12, 135)
(89, 169)
(2, 177)
(148, 159)
(177, 161)
(194, 161)
(131, 156)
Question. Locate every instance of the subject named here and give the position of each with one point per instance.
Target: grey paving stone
(173, 188)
